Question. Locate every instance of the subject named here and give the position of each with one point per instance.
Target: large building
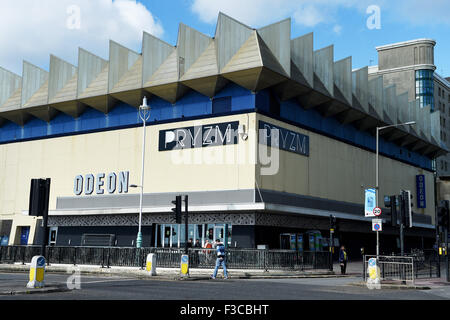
(267, 136)
(409, 66)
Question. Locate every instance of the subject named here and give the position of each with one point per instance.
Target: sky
(32, 30)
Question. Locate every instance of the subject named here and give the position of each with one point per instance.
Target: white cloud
(31, 29)
(257, 13)
(337, 29)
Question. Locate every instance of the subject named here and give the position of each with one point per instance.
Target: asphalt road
(115, 288)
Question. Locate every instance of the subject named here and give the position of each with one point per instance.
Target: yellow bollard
(185, 265)
(151, 264)
(37, 272)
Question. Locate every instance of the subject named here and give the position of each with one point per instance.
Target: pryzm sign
(101, 183)
(283, 139)
(210, 135)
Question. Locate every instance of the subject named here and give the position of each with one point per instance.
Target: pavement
(354, 269)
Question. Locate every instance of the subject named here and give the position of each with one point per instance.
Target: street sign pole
(446, 254)
(402, 216)
(331, 249)
(186, 224)
(377, 213)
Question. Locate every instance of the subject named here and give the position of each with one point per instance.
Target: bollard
(373, 281)
(37, 272)
(151, 264)
(184, 265)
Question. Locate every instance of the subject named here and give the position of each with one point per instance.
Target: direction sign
(377, 212)
(377, 225)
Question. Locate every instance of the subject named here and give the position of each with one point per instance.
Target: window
(221, 105)
(425, 88)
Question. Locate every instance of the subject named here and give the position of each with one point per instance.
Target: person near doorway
(220, 261)
(208, 245)
(343, 258)
(209, 254)
(197, 244)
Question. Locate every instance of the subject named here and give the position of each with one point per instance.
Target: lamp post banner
(369, 203)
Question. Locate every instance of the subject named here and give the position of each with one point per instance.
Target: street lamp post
(377, 167)
(144, 114)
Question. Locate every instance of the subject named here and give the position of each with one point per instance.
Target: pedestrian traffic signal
(443, 214)
(177, 209)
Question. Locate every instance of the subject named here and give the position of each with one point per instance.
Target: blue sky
(346, 27)
(61, 26)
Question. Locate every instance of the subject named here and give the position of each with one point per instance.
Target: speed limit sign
(377, 212)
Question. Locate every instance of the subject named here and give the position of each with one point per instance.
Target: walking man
(220, 261)
(343, 259)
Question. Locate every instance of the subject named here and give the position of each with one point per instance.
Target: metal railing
(393, 268)
(169, 257)
(426, 263)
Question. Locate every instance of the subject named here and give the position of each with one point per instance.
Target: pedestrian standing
(207, 244)
(343, 259)
(220, 261)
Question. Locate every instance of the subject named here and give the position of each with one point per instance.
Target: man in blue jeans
(220, 261)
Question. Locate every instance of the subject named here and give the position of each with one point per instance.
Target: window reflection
(425, 88)
(173, 235)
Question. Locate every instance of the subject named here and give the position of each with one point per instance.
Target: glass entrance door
(52, 236)
(25, 231)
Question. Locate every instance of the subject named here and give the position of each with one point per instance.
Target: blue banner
(370, 202)
(421, 191)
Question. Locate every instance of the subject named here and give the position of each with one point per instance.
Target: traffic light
(177, 209)
(443, 214)
(406, 208)
(39, 197)
(392, 202)
(333, 224)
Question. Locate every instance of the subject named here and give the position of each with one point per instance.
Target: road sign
(377, 212)
(377, 225)
(370, 202)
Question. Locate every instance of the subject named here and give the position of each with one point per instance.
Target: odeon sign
(101, 183)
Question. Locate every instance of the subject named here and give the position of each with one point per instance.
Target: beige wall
(61, 159)
(338, 171)
(334, 170)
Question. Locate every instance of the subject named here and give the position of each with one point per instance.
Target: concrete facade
(83, 121)
(397, 64)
